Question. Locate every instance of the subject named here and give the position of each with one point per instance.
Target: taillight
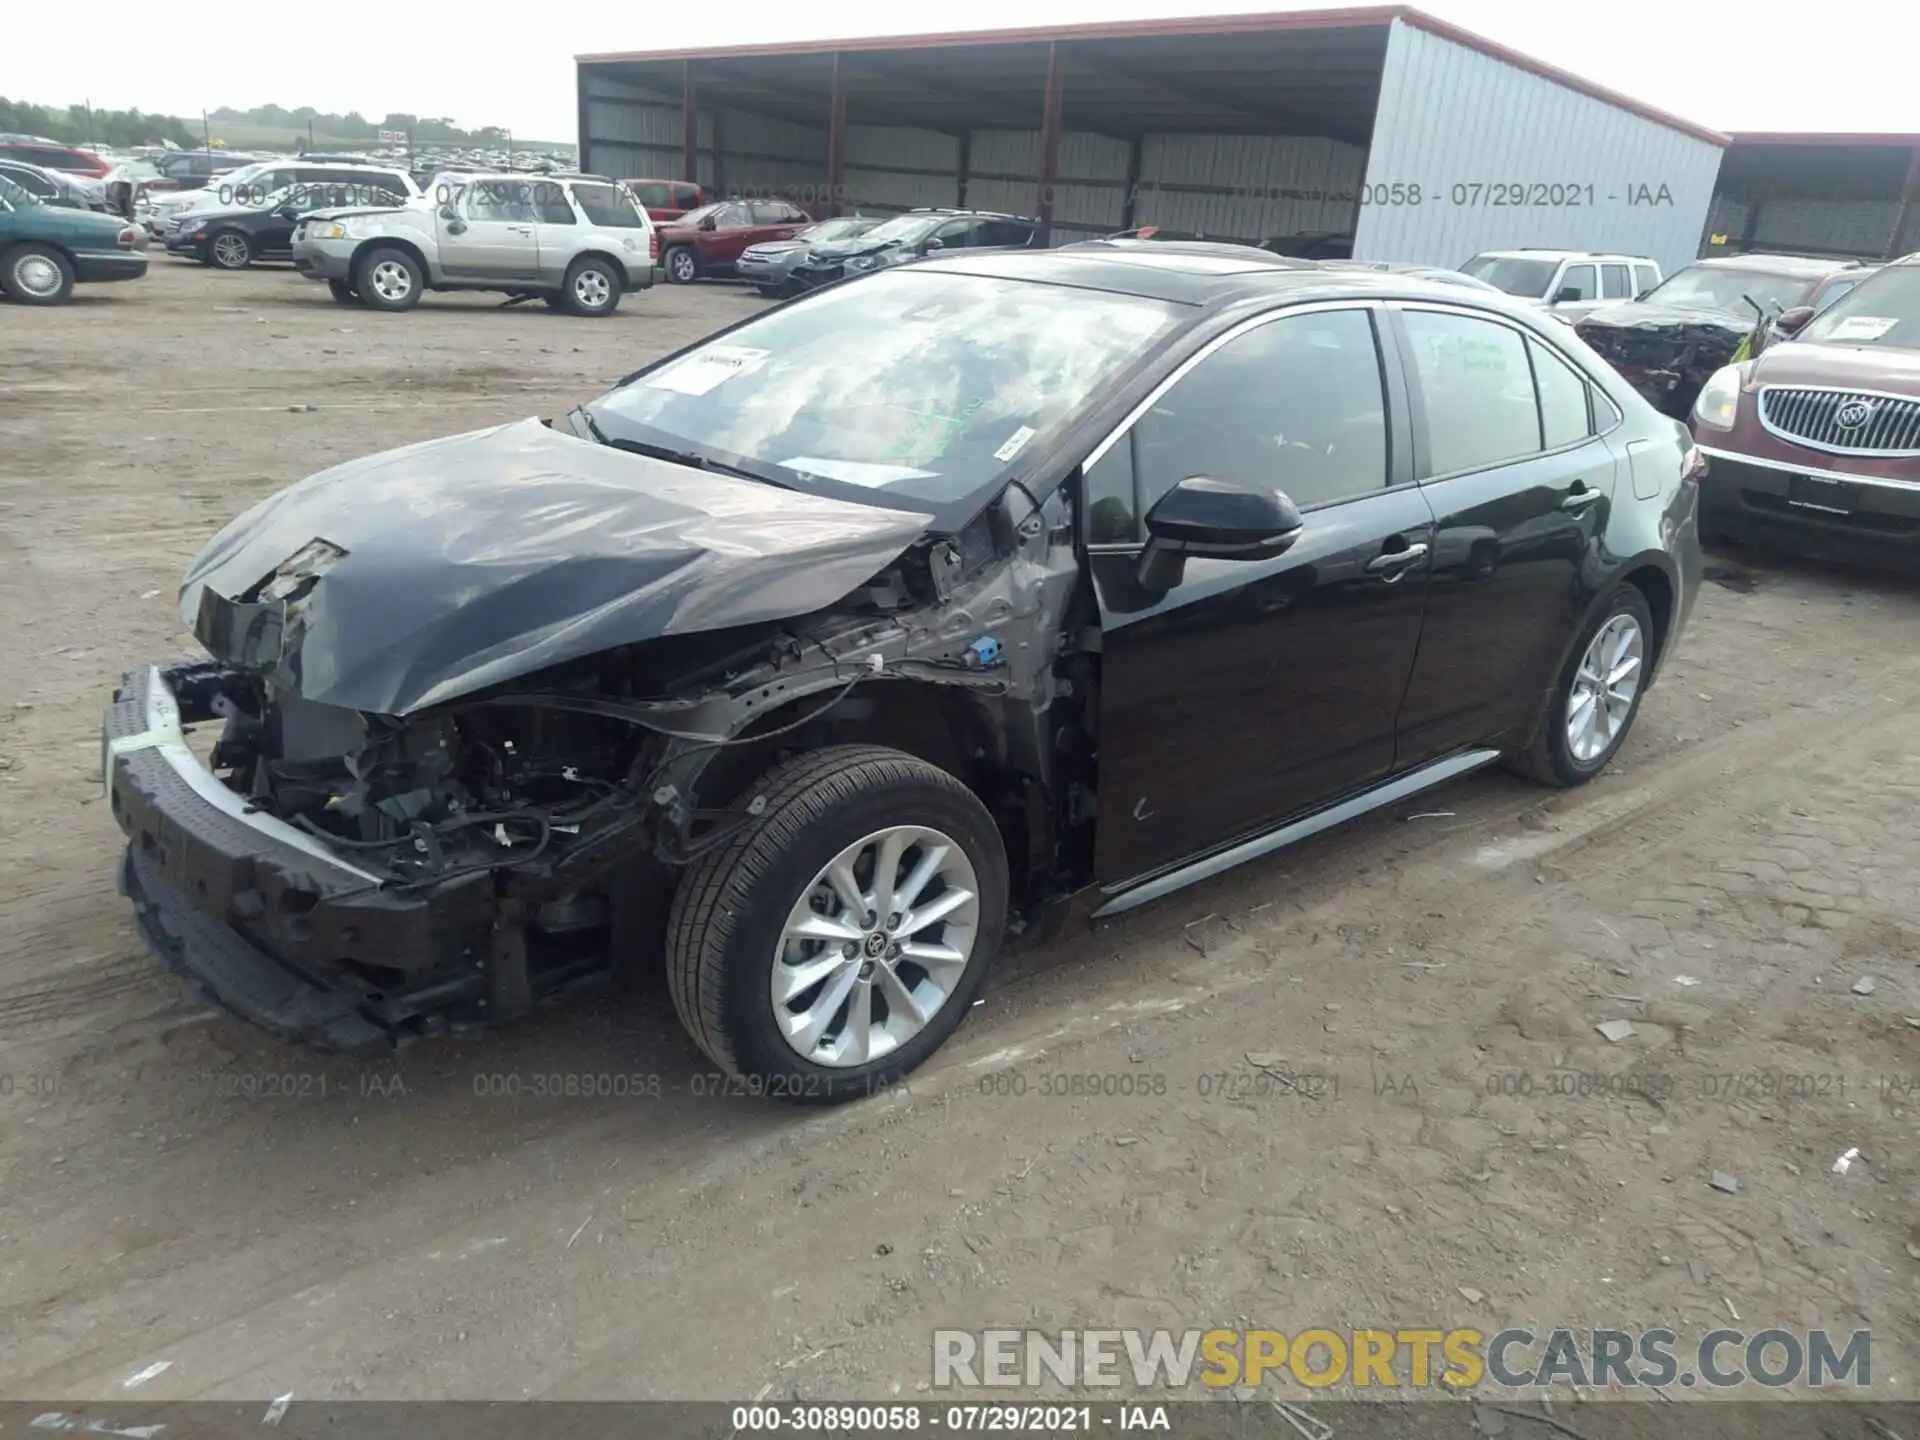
(653, 244)
(129, 237)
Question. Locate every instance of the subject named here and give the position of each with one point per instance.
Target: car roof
(1527, 252)
(1204, 274)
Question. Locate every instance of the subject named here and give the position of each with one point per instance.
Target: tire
(726, 931)
(343, 292)
(592, 288)
(682, 265)
(228, 250)
(388, 278)
(1552, 758)
(768, 292)
(36, 275)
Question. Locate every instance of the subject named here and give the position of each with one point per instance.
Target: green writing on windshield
(931, 433)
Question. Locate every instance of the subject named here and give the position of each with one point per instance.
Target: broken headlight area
(513, 782)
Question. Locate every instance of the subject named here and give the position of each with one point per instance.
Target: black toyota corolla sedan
(941, 605)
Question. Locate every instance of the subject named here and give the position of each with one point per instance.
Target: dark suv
(969, 596)
(912, 236)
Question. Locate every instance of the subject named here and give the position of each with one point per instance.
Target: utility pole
(206, 131)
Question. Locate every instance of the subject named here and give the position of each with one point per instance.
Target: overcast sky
(1841, 65)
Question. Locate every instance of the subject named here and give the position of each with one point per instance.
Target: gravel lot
(1469, 1150)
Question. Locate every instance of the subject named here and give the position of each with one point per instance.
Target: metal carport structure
(1840, 195)
(1408, 136)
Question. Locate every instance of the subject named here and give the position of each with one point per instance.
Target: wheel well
(619, 270)
(1652, 582)
(382, 243)
(6, 251)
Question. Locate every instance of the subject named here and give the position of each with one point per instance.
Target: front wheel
(229, 250)
(36, 275)
(342, 292)
(1598, 696)
(683, 266)
(388, 279)
(841, 936)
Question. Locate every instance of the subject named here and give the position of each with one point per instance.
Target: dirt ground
(1460, 1145)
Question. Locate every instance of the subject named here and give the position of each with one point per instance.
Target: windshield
(694, 217)
(1704, 287)
(924, 385)
(1882, 310)
(902, 229)
(1517, 277)
(839, 228)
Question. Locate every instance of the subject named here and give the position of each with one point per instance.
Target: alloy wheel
(1604, 688)
(390, 280)
(230, 251)
(591, 290)
(875, 946)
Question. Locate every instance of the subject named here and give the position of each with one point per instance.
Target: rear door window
(1615, 283)
(687, 197)
(1477, 390)
(1645, 277)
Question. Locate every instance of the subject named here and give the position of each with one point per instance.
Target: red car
(1815, 446)
(668, 199)
(708, 241)
(49, 155)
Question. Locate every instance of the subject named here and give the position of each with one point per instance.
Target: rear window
(606, 207)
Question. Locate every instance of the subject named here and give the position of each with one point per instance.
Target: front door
(1520, 481)
(489, 233)
(1257, 689)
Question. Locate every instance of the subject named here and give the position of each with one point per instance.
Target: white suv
(253, 183)
(577, 241)
(1567, 282)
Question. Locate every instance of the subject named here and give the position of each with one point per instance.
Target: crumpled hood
(1643, 315)
(450, 566)
(847, 249)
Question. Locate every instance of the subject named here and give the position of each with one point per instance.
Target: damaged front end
(1665, 356)
(499, 817)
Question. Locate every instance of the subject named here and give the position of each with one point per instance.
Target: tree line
(79, 125)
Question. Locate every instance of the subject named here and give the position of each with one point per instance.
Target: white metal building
(1383, 129)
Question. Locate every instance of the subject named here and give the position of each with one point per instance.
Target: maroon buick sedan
(1816, 444)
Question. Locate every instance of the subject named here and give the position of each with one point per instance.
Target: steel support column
(836, 196)
(1909, 197)
(1050, 136)
(689, 125)
(1129, 204)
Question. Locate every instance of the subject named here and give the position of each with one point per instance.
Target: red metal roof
(1789, 137)
(1358, 18)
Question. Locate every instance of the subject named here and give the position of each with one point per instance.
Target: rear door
(557, 230)
(1257, 688)
(491, 233)
(1512, 458)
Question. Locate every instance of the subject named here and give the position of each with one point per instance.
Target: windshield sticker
(855, 472)
(1015, 443)
(710, 368)
(1863, 327)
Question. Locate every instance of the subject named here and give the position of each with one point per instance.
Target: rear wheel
(388, 279)
(1597, 698)
(840, 938)
(229, 250)
(683, 266)
(36, 275)
(592, 288)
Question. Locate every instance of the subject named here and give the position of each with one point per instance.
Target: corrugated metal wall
(635, 134)
(1451, 118)
(1248, 187)
(895, 168)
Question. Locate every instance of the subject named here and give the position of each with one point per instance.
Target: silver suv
(579, 242)
(1568, 283)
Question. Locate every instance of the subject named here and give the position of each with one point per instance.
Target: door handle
(1394, 563)
(519, 229)
(1579, 499)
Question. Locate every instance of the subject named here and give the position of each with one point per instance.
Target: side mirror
(1216, 518)
(1566, 294)
(1792, 322)
(447, 212)
(934, 243)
